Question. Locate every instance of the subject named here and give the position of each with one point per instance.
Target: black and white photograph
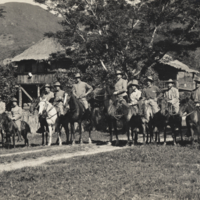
(100, 99)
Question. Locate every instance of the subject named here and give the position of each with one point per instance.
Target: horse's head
(164, 105)
(42, 106)
(34, 105)
(184, 106)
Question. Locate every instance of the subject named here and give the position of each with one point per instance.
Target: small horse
(192, 117)
(76, 113)
(47, 109)
(173, 120)
(10, 129)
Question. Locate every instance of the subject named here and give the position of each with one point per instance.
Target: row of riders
(148, 109)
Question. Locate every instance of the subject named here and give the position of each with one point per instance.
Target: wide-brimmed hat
(57, 84)
(14, 99)
(118, 72)
(47, 85)
(197, 79)
(133, 82)
(170, 81)
(150, 78)
(77, 75)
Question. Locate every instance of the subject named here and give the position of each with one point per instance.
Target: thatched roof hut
(42, 50)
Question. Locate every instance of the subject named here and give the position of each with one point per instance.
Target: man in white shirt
(136, 94)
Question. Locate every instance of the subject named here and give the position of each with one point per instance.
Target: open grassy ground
(141, 172)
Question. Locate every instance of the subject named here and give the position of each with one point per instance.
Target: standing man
(172, 95)
(195, 96)
(16, 112)
(150, 95)
(59, 97)
(80, 90)
(121, 87)
(2, 106)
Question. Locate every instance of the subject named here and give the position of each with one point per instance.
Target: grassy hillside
(22, 26)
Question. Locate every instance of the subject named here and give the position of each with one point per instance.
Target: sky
(21, 1)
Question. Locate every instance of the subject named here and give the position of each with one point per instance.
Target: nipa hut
(35, 69)
(168, 68)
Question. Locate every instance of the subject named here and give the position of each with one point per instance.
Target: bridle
(45, 109)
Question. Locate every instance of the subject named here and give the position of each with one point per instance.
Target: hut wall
(185, 80)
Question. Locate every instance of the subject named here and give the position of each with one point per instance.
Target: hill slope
(22, 26)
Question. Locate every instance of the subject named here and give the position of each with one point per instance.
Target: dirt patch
(42, 160)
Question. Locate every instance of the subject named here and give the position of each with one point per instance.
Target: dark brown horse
(192, 117)
(77, 113)
(117, 109)
(173, 120)
(9, 129)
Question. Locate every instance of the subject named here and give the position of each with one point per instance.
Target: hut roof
(41, 50)
(168, 60)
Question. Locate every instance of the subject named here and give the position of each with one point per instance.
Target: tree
(7, 82)
(117, 34)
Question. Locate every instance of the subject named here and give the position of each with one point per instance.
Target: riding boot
(88, 115)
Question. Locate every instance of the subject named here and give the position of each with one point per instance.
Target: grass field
(141, 172)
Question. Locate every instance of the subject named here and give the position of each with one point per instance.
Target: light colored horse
(51, 118)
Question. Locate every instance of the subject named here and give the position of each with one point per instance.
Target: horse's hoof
(127, 144)
(164, 144)
(49, 145)
(174, 144)
(109, 143)
(117, 143)
(73, 143)
(60, 144)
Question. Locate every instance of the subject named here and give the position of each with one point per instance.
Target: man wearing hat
(59, 97)
(121, 87)
(48, 95)
(80, 90)
(195, 96)
(172, 95)
(136, 94)
(2, 106)
(16, 112)
(150, 95)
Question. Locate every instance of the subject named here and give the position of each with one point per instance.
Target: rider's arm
(89, 88)
(74, 91)
(19, 114)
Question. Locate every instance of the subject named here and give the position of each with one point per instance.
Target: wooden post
(38, 91)
(20, 96)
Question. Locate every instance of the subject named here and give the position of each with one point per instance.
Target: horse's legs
(72, 134)
(180, 130)
(2, 139)
(173, 133)
(116, 132)
(66, 132)
(165, 129)
(13, 137)
(80, 133)
(50, 135)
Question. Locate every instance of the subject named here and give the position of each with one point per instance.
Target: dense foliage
(8, 87)
(124, 35)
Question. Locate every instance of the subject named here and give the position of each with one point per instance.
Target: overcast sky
(21, 1)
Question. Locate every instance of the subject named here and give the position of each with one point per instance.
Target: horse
(116, 110)
(8, 129)
(51, 117)
(173, 120)
(192, 117)
(76, 113)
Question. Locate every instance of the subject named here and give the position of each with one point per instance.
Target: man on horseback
(195, 96)
(172, 95)
(80, 90)
(48, 94)
(121, 87)
(16, 112)
(136, 94)
(150, 96)
(59, 97)
(2, 106)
